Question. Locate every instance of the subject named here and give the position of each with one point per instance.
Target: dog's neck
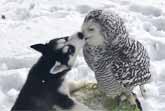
(41, 71)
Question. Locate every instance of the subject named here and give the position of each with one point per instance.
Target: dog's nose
(80, 35)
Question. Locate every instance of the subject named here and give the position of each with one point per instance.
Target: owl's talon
(143, 91)
(135, 101)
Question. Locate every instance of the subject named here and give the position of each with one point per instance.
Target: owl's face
(92, 33)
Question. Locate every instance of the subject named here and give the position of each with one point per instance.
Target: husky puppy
(46, 88)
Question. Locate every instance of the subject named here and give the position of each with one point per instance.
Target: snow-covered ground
(26, 22)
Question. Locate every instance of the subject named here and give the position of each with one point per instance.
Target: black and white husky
(46, 88)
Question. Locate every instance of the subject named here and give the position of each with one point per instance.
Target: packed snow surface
(26, 22)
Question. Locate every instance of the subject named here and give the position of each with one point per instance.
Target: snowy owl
(120, 63)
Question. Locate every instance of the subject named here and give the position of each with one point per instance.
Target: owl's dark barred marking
(119, 62)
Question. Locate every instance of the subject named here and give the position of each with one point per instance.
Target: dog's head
(62, 51)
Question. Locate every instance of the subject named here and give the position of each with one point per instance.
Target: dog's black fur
(40, 91)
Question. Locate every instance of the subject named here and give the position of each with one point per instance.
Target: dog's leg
(80, 107)
(76, 107)
(75, 86)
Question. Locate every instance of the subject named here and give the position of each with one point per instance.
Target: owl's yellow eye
(91, 29)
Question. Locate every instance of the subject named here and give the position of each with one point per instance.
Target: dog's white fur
(66, 88)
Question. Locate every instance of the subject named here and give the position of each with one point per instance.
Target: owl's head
(101, 26)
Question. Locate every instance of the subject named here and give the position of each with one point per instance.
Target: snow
(26, 22)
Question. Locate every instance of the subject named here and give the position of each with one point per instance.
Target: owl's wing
(131, 68)
(131, 75)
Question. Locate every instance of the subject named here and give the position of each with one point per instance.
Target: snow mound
(9, 63)
(12, 79)
(146, 10)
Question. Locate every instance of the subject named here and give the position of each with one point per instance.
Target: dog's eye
(71, 49)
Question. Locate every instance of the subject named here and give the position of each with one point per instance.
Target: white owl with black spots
(120, 63)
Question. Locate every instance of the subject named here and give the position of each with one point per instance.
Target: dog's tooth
(65, 49)
(60, 45)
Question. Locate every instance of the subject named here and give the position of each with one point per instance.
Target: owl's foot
(143, 91)
(132, 98)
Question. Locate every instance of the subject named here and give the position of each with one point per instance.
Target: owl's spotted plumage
(119, 62)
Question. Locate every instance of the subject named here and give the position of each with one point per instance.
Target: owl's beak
(87, 37)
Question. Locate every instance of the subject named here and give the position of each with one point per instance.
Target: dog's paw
(76, 85)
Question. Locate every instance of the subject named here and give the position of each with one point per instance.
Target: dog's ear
(39, 47)
(57, 68)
